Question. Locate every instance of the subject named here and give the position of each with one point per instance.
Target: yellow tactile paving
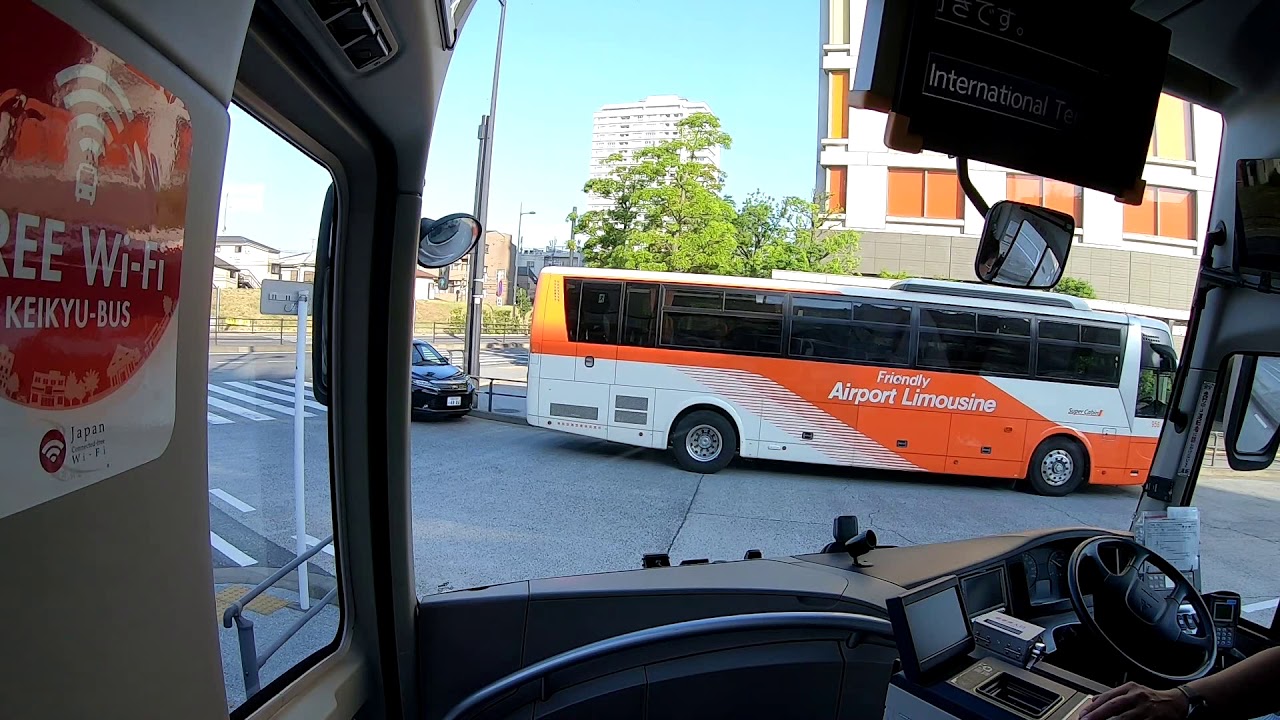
(263, 604)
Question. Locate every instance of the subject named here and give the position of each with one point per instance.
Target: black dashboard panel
(469, 638)
(917, 564)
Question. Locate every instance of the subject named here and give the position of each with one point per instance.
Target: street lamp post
(573, 220)
(519, 249)
(475, 271)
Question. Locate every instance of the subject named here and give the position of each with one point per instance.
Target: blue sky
(752, 62)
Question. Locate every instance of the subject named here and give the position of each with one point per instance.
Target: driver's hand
(1132, 701)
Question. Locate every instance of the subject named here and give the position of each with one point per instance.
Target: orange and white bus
(927, 376)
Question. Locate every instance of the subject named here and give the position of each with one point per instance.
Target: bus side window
(598, 321)
(572, 303)
(641, 321)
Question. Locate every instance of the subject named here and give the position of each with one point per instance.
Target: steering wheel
(1147, 625)
(855, 625)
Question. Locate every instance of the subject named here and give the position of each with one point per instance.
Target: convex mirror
(443, 242)
(1024, 246)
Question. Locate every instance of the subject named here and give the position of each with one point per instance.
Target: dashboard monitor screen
(1224, 610)
(930, 626)
(984, 592)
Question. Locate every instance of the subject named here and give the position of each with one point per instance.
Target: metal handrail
(489, 393)
(250, 661)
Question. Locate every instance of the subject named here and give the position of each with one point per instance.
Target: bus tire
(1059, 467)
(704, 442)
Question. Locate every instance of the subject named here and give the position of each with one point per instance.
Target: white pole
(299, 501)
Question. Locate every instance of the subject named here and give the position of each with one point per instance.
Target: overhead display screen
(1000, 81)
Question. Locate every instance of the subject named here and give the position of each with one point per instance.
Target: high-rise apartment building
(914, 217)
(627, 127)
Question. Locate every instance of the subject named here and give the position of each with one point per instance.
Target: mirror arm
(971, 192)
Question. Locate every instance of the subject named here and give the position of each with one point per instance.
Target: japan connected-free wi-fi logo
(90, 95)
(53, 451)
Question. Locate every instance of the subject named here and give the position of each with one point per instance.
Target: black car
(439, 388)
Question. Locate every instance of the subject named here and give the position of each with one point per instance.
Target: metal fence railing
(283, 330)
(485, 387)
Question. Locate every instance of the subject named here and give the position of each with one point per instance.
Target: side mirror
(443, 242)
(1253, 415)
(1024, 246)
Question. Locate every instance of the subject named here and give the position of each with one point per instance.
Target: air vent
(631, 402)
(630, 417)
(359, 29)
(580, 412)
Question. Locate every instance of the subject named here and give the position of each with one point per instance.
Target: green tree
(810, 244)
(758, 226)
(667, 209)
(1076, 286)
(524, 305)
(794, 234)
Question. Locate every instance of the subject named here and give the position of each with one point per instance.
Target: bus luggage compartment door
(987, 446)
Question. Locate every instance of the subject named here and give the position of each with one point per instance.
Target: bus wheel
(704, 442)
(1058, 467)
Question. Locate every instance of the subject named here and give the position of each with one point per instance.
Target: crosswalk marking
(231, 500)
(237, 410)
(313, 540)
(257, 402)
(235, 401)
(247, 387)
(287, 387)
(233, 553)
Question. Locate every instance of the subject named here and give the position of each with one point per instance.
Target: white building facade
(253, 260)
(915, 218)
(627, 127)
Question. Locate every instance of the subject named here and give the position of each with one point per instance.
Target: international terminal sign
(1064, 90)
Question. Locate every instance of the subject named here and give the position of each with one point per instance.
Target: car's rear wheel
(1058, 467)
(704, 442)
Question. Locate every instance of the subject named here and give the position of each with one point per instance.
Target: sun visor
(1063, 90)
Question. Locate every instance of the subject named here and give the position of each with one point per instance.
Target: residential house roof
(242, 240)
(307, 259)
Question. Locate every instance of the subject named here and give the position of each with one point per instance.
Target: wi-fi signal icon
(91, 93)
(53, 448)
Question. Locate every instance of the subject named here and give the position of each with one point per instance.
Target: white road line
(312, 541)
(287, 387)
(275, 395)
(231, 500)
(237, 410)
(217, 419)
(1264, 605)
(233, 553)
(255, 401)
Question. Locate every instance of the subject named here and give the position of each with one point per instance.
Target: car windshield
(424, 354)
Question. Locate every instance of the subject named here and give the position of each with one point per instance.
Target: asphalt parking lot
(496, 502)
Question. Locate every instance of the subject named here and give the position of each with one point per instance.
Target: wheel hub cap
(1057, 467)
(704, 443)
